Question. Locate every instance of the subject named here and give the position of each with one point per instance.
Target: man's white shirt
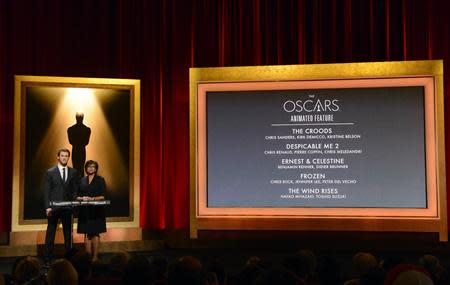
(60, 167)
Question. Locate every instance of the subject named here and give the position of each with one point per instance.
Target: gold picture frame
(426, 74)
(44, 109)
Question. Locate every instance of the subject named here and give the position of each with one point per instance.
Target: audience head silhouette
(408, 274)
(363, 262)
(26, 269)
(186, 270)
(62, 272)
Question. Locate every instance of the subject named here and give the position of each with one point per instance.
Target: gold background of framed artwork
(21, 83)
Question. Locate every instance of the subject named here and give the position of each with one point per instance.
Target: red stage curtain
(157, 42)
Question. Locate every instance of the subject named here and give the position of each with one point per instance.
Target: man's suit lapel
(57, 174)
(69, 174)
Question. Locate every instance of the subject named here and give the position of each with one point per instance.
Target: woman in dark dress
(91, 219)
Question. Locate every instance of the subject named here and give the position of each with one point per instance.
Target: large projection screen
(340, 147)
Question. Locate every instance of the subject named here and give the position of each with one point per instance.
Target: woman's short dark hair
(89, 163)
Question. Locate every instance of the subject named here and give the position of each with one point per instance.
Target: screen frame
(428, 74)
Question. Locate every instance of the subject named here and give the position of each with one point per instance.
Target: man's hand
(48, 212)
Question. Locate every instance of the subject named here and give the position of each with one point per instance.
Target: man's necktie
(64, 174)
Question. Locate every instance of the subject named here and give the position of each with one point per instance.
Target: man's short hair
(63, 150)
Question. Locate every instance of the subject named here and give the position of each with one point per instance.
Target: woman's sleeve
(102, 188)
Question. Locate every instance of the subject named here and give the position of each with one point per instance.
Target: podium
(73, 204)
(79, 203)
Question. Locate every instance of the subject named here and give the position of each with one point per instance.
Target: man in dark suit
(60, 184)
